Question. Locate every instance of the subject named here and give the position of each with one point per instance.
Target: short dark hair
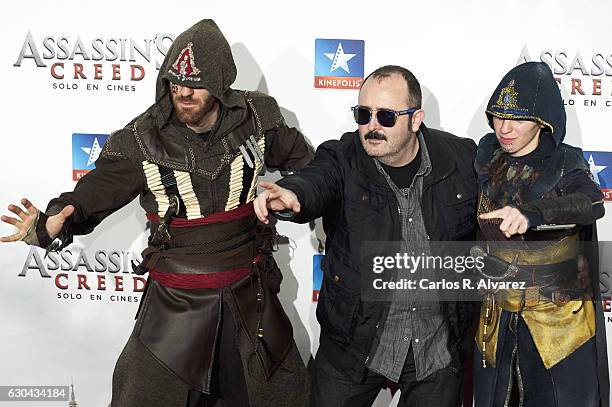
(414, 88)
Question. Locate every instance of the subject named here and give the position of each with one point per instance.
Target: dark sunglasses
(385, 117)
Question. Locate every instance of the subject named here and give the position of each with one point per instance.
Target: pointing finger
(499, 213)
(267, 185)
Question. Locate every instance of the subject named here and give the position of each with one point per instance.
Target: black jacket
(343, 185)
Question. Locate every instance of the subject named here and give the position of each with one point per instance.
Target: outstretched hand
(26, 221)
(275, 198)
(513, 221)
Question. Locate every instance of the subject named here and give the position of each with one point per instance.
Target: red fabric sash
(208, 280)
(220, 217)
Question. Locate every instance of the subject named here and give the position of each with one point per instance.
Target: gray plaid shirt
(408, 323)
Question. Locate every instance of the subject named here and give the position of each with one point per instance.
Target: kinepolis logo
(339, 63)
(97, 64)
(317, 276)
(86, 149)
(78, 275)
(587, 80)
(600, 164)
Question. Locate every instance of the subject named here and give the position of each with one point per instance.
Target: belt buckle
(560, 298)
(532, 296)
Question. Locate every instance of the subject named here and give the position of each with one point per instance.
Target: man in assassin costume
(210, 325)
(544, 345)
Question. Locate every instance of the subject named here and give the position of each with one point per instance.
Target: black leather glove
(572, 208)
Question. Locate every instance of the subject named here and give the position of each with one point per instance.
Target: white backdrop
(458, 50)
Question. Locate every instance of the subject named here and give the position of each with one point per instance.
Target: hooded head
(199, 58)
(529, 92)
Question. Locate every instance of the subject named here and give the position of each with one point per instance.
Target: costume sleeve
(114, 183)
(319, 185)
(581, 202)
(288, 149)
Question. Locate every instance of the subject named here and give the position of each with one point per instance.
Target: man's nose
(185, 91)
(373, 125)
(506, 126)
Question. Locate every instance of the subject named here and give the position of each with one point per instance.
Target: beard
(193, 115)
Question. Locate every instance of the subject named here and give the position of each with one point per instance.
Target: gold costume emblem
(508, 97)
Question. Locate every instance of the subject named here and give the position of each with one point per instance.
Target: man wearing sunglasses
(391, 180)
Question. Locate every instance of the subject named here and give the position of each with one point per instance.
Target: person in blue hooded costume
(543, 345)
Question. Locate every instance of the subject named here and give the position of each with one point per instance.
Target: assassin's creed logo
(105, 275)
(104, 63)
(185, 65)
(584, 80)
